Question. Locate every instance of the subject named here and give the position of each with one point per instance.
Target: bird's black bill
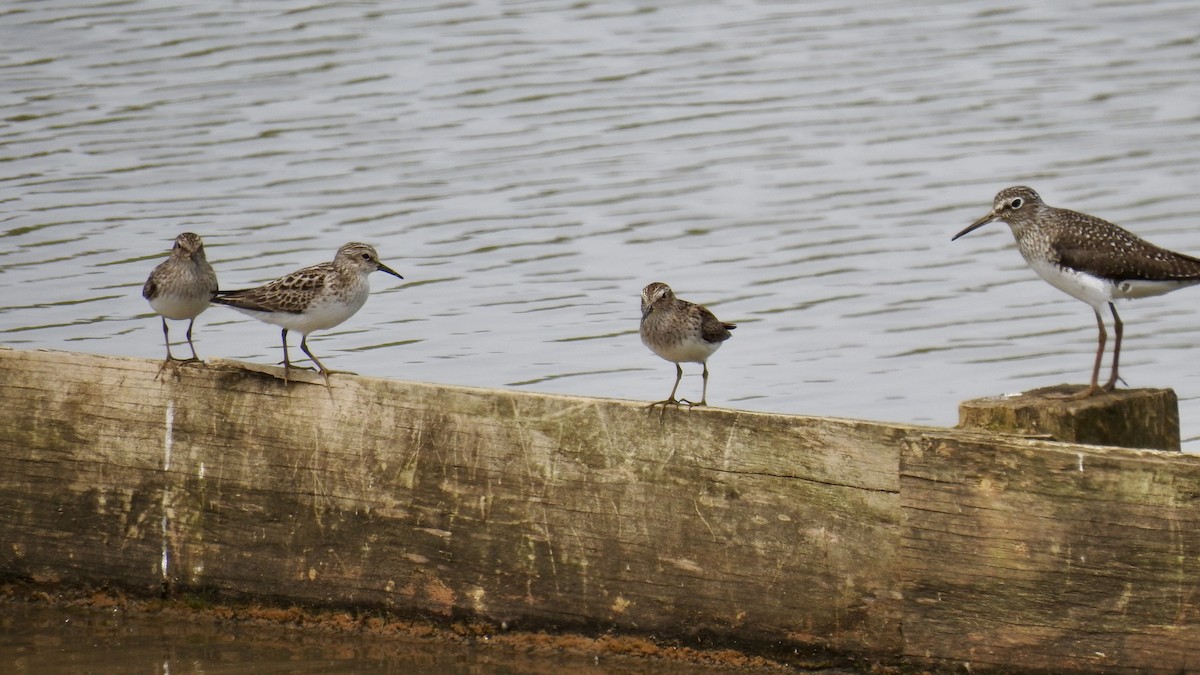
(975, 225)
(385, 268)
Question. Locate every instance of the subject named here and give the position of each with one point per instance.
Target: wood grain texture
(1050, 558)
(524, 509)
(887, 543)
(1127, 418)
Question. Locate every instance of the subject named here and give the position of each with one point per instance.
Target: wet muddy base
(55, 630)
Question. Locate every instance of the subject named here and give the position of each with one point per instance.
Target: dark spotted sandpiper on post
(1090, 259)
(180, 287)
(314, 298)
(680, 331)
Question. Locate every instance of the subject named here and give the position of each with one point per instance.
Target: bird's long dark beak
(975, 225)
(385, 268)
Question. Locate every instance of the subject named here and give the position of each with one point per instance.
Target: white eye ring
(1016, 203)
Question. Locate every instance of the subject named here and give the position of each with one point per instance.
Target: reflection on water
(530, 166)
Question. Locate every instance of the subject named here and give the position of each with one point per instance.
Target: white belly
(318, 316)
(1146, 289)
(1096, 291)
(684, 351)
(1093, 290)
(180, 306)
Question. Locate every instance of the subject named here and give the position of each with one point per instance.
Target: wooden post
(1128, 418)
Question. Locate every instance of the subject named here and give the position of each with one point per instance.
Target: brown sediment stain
(441, 596)
(332, 622)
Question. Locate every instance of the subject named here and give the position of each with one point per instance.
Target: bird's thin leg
(1094, 387)
(167, 339)
(703, 392)
(671, 400)
(1118, 328)
(189, 339)
(166, 362)
(286, 363)
(320, 366)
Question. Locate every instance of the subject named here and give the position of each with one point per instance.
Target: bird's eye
(1016, 203)
(366, 256)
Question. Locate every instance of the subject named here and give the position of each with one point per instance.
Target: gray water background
(529, 166)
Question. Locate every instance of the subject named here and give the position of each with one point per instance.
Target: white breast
(690, 349)
(175, 306)
(1093, 290)
(325, 312)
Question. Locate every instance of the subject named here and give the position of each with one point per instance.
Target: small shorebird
(180, 287)
(680, 331)
(314, 298)
(1089, 259)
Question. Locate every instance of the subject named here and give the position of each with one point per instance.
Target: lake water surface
(529, 166)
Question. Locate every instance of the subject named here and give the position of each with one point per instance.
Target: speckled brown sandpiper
(1090, 259)
(314, 298)
(680, 331)
(180, 287)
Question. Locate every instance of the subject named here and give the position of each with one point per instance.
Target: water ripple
(530, 166)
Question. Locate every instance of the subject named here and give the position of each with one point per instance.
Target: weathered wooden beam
(893, 543)
(1051, 558)
(1126, 418)
(524, 509)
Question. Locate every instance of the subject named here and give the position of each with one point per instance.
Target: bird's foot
(163, 367)
(662, 406)
(693, 404)
(172, 362)
(664, 403)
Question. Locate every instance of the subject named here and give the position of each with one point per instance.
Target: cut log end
(1129, 418)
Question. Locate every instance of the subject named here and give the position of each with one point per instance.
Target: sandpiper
(314, 298)
(1090, 259)
(680, 331)
(180, 287)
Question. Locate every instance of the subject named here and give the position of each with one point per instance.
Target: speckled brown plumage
(314, 298)
(293, 293)
(680, 331)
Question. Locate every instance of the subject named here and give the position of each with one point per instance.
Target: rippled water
(529, 166)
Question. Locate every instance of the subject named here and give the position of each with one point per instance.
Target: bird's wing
(712, 329)
(1122, 256)
(290, 293)
(150, 289)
